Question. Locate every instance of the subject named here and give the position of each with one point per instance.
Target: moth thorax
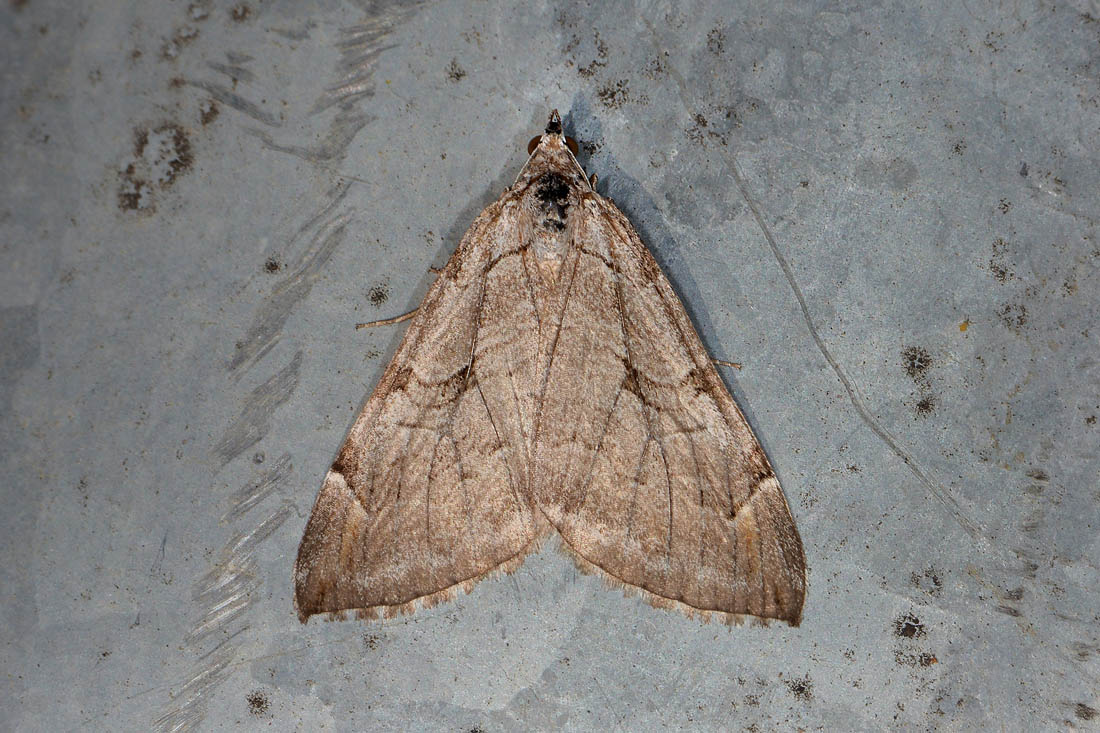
(553, 205)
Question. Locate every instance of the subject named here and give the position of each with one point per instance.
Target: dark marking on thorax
(552, 193)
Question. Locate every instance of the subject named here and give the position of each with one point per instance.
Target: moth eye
(534, 143)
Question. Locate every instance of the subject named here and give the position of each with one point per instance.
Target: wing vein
(477, 382)
(631, 371)
(500, 444)
(585, 380)
(599, 444)
(557, 332)
(634, 486)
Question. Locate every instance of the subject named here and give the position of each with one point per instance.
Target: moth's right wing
(428, 491)
(644, 464)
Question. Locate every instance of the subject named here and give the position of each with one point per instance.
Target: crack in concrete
(941, 494)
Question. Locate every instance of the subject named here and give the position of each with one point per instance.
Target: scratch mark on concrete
(233, 71)
(271, 315)
(237, 102)
(255, 418)
(226, 590)
(345, 126)
(256, 491)
(360, 47)
(189, 701)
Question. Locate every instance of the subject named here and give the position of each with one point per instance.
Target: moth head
(553, 133)
(534, 143)
(553, 152)
(553, 125)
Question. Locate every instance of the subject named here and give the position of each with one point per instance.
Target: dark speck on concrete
(455, 73)
(914, 659)
(908, 626)
(801, 688)
(258, 703)
(929, 581)
(716, 41)
(208, 111)
(614, 94)
(1013, 315)
(378, 294)
(240, 12)
(917, 361)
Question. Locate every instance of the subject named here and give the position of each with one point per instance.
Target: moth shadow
(450, 241)
(506, 176)
(633, 200)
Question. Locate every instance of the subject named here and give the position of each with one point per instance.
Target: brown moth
(551, 382)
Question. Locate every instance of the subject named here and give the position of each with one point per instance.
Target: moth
(551, 383)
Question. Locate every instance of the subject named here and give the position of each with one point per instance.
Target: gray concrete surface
(886, 212)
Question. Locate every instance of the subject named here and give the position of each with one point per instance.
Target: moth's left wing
(643, 463)
(427, 494)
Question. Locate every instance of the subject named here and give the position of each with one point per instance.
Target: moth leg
(387, 321)
(396, 319)
(731, 364)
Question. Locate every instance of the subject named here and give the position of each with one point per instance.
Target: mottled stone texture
(886, 212)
